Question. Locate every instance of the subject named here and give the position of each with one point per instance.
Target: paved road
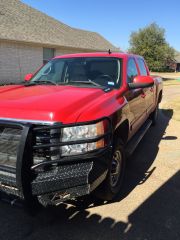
(148, 207)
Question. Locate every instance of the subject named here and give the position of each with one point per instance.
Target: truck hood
(46, 103)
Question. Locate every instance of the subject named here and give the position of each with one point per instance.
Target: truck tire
(154, 115)
(111, 186)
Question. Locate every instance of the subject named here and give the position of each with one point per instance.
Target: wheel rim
(116, 168)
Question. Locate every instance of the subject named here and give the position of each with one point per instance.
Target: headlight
(82, 133)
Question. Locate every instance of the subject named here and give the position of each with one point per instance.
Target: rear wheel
(112, 184)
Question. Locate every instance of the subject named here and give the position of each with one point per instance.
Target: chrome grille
(9, 142)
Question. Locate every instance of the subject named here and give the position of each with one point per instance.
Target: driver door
(135, 98)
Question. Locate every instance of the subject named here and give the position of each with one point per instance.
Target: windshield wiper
(87, 82)
(41, 82)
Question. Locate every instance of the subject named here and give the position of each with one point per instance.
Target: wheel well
(122, 132)
(160, 96)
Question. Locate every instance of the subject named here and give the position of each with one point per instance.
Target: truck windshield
(97, 72)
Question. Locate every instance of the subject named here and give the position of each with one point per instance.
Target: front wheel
(112, 184)
(154, 115)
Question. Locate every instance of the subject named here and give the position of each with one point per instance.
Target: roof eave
(44, 44)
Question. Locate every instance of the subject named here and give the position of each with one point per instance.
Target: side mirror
(28, 76)
(141, 82)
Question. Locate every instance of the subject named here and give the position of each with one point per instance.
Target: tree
(150, 42)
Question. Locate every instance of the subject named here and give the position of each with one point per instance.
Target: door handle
(143, 95)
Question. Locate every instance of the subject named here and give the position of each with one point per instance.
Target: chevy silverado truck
(67, 131)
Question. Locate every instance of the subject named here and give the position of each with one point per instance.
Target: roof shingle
(20, 22)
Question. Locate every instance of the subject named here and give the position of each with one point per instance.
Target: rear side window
(131, 70)
(142, 67)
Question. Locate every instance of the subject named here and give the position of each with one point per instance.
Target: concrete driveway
(148, 207)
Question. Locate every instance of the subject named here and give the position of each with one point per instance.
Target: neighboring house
(173, 65)
(28, 38)
(177, 61)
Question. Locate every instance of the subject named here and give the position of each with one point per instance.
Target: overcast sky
(115, 19)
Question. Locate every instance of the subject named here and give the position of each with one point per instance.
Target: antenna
(109, 51)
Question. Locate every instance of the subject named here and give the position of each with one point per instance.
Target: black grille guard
(24, 164)
(16, 184)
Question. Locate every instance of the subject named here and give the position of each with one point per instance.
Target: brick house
(29, 37)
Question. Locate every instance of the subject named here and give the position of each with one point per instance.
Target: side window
(142, 67)
(131, 70)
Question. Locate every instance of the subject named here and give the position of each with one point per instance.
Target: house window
(48, 53)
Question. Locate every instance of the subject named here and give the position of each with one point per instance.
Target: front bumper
(72, 180)
(51, 182)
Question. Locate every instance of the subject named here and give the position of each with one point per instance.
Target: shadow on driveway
(157, 218)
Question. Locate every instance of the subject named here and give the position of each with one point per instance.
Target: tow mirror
(28, 76)
(141, 82)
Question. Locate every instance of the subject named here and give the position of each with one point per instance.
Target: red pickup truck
(67, 131)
